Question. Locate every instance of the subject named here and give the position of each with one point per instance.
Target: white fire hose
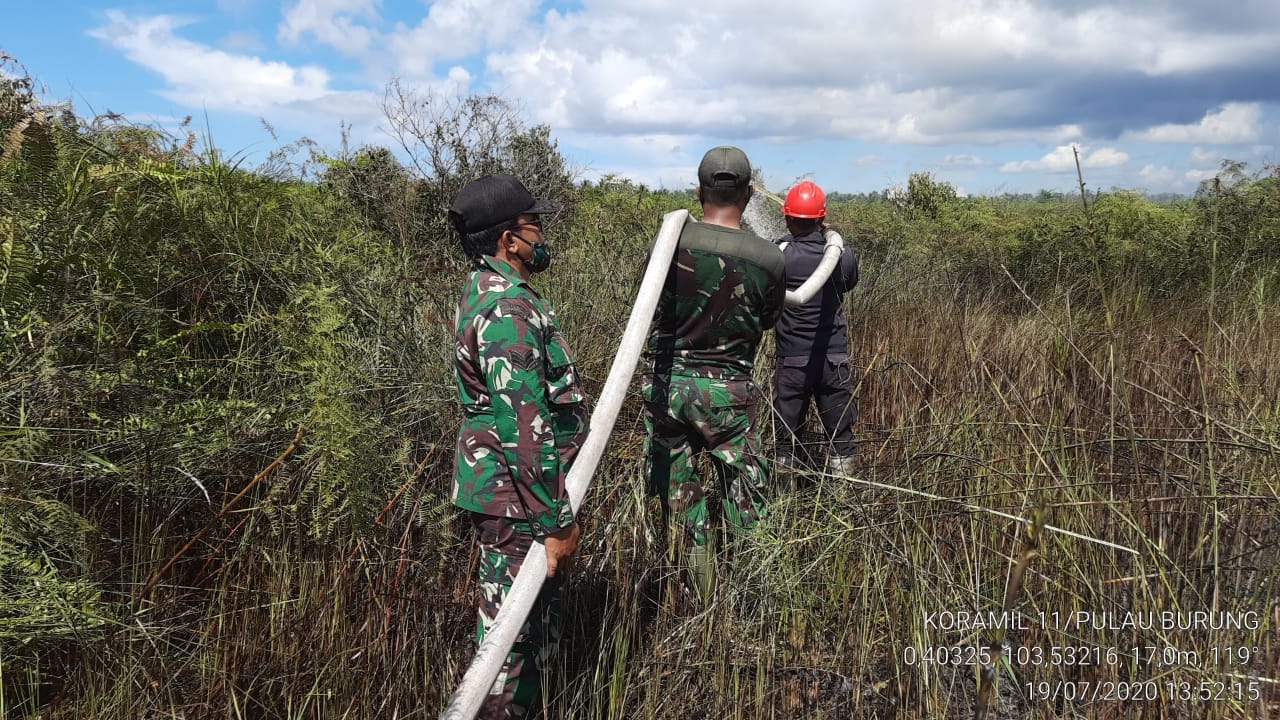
(497, 643)
(830, 260)
(501, 636)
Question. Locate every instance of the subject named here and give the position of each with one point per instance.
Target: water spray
(764, 221)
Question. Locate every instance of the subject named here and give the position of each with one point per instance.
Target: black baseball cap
(725, 167)
(492, 200)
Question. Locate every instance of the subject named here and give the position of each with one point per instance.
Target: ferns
(45, 591)
(325, 356)
(17, 276)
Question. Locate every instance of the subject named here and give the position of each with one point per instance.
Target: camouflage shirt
(724, 289)
(525, 414)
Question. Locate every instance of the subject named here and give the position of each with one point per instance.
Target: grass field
(228, 418)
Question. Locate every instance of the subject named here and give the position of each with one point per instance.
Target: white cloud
(670, 177)
(455, 29)
(241, 41)
(449, 31)
(1158, 175)
(915, 72)
(619, 89)
(963, 160)
(920, 72)
(1063, 159)
(1200, 175)
(200, 76)
(654, 159)
(1053, 162)
(1231, 123)
(1200, 156)
(1105, 158)
(332, 22)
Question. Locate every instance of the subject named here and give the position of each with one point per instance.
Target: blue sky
(990, 95)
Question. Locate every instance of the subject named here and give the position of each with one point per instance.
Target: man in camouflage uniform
(725, 288)
(525, 419)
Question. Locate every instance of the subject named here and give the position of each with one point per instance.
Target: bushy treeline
(1225, 239)
(212, 371)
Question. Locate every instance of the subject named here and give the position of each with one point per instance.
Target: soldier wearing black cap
(525, 418)
(725, 289)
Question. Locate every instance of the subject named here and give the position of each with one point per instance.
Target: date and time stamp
(1084, 656)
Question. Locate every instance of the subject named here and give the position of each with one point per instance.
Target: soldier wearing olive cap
(725, 289)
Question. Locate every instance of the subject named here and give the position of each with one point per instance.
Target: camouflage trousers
(517, 691)
(687, 415)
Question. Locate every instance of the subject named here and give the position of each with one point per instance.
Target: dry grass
(1145, 434)
(1159, 436)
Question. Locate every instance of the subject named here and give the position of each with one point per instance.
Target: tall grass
(227, 447)
(975, 411)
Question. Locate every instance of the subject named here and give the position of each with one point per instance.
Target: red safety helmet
(806, 200)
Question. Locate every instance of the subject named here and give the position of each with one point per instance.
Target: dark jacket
(817, 328)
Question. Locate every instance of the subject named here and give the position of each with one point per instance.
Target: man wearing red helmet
(812, 339)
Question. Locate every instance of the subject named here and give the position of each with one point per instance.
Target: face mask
(541, 259)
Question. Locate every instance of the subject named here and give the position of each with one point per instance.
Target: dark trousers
(830, 384)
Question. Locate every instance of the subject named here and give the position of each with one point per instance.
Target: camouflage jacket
(525, 414)
(725, 288)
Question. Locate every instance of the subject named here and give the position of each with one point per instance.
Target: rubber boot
(702, 573)
(785, 469)
(843, 464)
